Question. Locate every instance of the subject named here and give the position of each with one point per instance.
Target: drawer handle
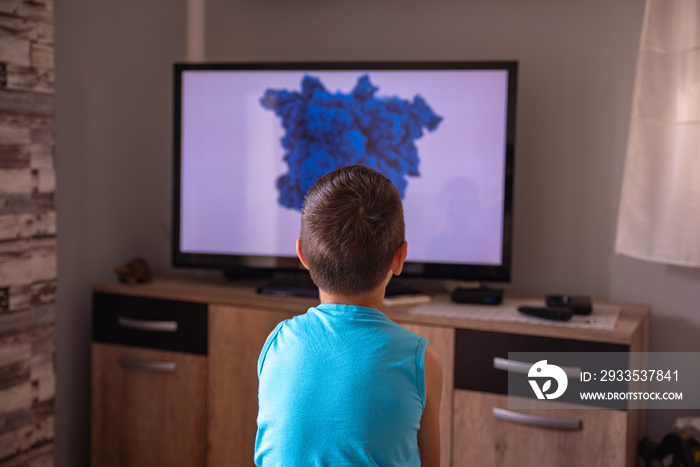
(515, 366)
(163, 367)
(145, 325)
(556, 423)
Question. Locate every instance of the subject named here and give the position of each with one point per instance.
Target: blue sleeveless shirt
(340, 385)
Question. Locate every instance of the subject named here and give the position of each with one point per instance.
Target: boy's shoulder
(328, 314)
(343, 316)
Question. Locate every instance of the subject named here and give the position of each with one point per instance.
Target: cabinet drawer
(475, 351)
(148, 407)
(149, 322)
(585, 438)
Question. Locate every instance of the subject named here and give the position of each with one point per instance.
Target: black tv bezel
(245, 265)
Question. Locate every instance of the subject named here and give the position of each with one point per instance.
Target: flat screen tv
(251, 138)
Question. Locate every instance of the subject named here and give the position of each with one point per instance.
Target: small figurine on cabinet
(135, 271)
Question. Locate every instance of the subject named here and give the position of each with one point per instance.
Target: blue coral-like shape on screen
(324, 131)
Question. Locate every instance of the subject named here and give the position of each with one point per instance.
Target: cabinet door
(148, 407)
(479, 438)
(236, 336)
(442, 340)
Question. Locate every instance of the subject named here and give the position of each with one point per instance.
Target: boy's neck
(373, 299)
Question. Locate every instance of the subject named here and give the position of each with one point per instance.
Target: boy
(342, 385)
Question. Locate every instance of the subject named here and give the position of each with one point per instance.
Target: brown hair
(351, 226)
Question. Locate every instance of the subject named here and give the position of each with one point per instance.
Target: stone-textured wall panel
(27, 233)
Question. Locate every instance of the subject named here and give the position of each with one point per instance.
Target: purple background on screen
(231, 158)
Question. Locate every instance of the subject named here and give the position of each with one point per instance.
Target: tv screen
(250, 139)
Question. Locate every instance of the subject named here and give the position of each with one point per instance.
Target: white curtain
(659, 215)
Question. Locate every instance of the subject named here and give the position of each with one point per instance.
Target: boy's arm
(429, 432)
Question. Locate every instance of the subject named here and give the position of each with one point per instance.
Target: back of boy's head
(351, 226)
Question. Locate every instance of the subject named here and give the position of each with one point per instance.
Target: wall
(577, 64)
(113, 139)
(576, 69)
(27, 233)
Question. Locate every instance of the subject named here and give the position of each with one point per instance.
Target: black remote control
(556, 313)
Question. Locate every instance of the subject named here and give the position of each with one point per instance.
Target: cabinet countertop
(213, 290)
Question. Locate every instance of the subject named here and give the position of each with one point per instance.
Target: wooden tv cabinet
(174, 378)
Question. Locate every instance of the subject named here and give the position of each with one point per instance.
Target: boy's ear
(399, 258)
(300, 253)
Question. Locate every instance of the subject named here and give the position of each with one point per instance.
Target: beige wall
(576, 69)
(113, 140)
(577, 64)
